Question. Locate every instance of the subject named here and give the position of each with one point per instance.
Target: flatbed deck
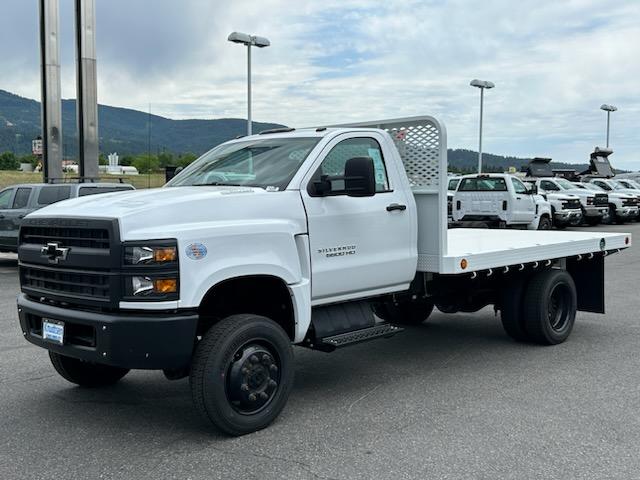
(484, 249)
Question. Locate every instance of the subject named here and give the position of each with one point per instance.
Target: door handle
(396, 206)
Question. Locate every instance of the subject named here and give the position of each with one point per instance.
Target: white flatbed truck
(282, 238)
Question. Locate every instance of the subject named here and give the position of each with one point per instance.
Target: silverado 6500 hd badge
(340, 251)
(196, 251)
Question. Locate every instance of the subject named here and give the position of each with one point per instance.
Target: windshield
(565, 184)
(629, 184)
(453, 184)
(593, 187)
(269, 163)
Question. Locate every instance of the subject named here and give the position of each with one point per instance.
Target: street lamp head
(481, 83)
(261, 42)
(608, 108)
(238, 37)
(249, 40)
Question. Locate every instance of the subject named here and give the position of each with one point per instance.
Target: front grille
(571, 204)
(97, 238)
(74, 284)
(601, 200)
(87, 275)
(629, 202)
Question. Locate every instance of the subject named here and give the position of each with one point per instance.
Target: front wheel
(86, 374)
(242, 373)
(544, 223)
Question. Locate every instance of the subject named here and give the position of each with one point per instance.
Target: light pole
(608, 109)
(249, 41)
(481, 84)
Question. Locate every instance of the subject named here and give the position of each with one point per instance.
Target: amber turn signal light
(165, 285)
(165, 254)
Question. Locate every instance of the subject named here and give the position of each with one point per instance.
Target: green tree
(8, 161)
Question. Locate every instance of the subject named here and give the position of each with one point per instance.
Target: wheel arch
(260, 294)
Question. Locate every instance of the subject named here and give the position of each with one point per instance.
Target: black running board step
(362, 335)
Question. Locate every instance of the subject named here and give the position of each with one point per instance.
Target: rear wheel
(242, 373)
(86, 374)
(405, 312)
(549, 308)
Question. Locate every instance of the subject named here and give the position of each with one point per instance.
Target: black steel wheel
(550, 305)
(242, 373)
(86, 374)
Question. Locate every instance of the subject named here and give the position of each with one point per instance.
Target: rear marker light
(463, 263)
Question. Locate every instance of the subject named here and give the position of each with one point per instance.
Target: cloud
(553, 63)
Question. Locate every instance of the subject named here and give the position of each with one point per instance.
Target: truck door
(359, 244)
(13, 216)
(6, 197)
(524, 208)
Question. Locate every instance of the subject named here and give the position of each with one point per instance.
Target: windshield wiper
(218, 184)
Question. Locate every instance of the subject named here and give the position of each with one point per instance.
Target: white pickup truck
(623, 207)
(499, 200)
(284, 238)
(594, 206)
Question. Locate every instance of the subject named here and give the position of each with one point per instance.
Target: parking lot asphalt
(454, 398)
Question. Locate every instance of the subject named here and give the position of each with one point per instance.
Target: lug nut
(273, 367)
(264, 395)
(245, 371)
(266, 360)
(273, 383)
(252, 397)
(244, 387)
(253, 359)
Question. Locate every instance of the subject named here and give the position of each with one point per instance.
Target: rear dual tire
(541, 310)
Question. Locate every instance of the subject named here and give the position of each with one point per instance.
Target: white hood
(149, 213)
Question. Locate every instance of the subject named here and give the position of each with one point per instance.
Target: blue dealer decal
(196, 251)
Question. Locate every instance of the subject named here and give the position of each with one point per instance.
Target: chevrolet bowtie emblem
(54, 252)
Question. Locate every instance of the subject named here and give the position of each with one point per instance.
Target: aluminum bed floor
(483, 248)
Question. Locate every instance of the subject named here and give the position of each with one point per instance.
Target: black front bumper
(153, 340)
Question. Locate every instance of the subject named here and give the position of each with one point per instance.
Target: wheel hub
(253, 378)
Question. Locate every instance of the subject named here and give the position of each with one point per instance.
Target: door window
(5, 196)
(334, 162)
(518, 186)
(21, 199)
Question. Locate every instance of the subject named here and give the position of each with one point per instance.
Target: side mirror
(359, 180)
(360, 177)
(533, 189)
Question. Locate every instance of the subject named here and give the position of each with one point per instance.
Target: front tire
(242, 373)
(545, 224)
(550, 305)
(86, 374)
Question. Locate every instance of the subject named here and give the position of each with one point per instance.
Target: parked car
(18, 201)
(500, 200)
(452, 186)
(623, 207)
(594, 205)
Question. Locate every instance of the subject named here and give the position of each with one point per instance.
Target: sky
(336, 61)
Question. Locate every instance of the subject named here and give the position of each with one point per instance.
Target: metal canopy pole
(87, 90)
(51, 103)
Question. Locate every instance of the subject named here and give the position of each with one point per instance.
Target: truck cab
(496, 199)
